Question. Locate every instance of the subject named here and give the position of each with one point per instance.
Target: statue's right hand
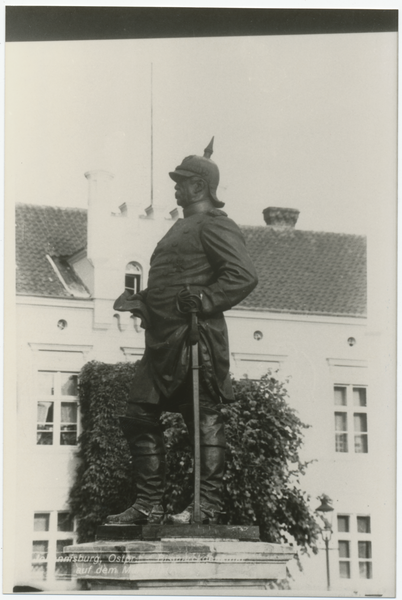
(188, 302)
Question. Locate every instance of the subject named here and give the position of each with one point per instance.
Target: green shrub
(104, 482)
(261, 479)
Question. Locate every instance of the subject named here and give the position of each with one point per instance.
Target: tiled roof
(299, 271)
(307, 271)
(42, 230)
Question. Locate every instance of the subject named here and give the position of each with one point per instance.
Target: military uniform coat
(207, 253)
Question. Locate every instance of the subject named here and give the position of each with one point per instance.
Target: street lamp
(325, 512)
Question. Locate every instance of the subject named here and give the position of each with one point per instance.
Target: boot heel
(156, 515)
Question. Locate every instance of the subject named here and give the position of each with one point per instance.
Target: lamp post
(325, 512)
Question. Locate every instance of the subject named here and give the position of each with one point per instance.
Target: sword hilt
(194, 333)
(188, 303)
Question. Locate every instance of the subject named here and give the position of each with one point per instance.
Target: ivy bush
(261, 481)
(103, 482)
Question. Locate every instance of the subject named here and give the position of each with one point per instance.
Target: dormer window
(133, 278)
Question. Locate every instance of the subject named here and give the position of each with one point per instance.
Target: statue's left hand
(135, 304)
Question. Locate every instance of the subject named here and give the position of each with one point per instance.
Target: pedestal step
(164, 587)
(175, 562)
(158, 532)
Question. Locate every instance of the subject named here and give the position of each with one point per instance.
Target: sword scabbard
(197, 448)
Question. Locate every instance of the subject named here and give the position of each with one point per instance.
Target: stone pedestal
(180, 559)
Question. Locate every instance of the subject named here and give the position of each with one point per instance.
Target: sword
(192, 307)
(196, 410)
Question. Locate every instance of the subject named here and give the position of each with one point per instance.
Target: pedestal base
(181, 563)
(196, 587)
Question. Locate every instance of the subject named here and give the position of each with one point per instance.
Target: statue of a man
(202, 257)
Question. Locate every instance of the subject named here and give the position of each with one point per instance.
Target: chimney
(284, 218)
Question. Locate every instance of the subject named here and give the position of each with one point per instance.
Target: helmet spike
(209, 149)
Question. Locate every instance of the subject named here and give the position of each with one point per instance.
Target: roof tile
(42, 230)
(299, 271)
(307, 271)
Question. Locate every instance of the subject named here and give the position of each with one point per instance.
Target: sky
(303, 121)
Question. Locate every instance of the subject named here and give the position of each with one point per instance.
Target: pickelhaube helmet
(202, 166)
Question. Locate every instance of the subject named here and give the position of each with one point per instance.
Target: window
(39, 559)
(340, 396)
(363, 525)
(63, 567)
(57, 409)
(343, 523)
(351, 430)
(359, 396)
(354, 547)
(364, 547)
(53, 531)
(341, 435)
(344, 559)
(343, 526)
(65, 521)
(133, 276)
(41, 521)
(360, 427)
(365, 565)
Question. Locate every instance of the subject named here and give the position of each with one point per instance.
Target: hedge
(263, 468)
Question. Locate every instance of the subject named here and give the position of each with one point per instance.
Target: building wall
(313, 351)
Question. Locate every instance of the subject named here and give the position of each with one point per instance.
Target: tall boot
(212, 470)
(145, 440)
(212, 438)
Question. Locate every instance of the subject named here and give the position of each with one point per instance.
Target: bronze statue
(202, 261)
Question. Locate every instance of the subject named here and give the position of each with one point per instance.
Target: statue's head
(203, 167)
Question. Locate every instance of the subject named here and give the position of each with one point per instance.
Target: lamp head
(325, 506)
(325, 511)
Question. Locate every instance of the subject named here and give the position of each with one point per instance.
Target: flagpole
(152, 137)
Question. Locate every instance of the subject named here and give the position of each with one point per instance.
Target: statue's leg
(212, 438)
(213, 446)
(143, 432)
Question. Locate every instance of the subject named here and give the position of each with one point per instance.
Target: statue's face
(185, 191)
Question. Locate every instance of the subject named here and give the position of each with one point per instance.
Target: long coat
(206, 252)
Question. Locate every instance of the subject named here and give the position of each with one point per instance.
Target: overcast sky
(305, 121)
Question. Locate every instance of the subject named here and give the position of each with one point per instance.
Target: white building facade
(65, 318)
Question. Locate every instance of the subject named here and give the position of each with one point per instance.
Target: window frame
(58, 399)
(352, 437)
(133, 269)
(364, 537)
(345, 560)
(52, 536)
(355, 539)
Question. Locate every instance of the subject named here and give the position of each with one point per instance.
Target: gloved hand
(144, 322)
(127, 301)
(188, 302)
(135, 304)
